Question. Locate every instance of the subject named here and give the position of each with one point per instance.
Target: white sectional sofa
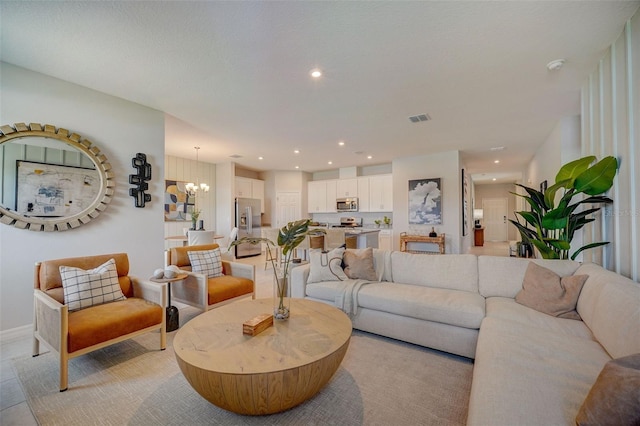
(530, 368)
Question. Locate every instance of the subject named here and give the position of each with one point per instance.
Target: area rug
(380, 382)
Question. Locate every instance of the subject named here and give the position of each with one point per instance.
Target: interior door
(495, 219)
(287, 208)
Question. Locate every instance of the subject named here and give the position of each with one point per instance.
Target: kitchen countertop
(360, 230)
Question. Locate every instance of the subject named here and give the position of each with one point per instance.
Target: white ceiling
(234, 76)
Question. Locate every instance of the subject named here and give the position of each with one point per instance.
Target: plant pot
(524, 250)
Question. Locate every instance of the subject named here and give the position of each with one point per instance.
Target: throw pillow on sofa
(85, 288)
(358, 264)
(547, 292)
(326, 266)
(207, 262)
(614, 399)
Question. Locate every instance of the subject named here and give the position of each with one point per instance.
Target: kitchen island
(364, 237)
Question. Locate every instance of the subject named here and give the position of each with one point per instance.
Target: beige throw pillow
(85, 288)
(207, 262)
(326, 266)
(545, 291)
(358, 264)
(614, 399)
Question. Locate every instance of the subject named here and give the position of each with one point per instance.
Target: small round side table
(173, 316)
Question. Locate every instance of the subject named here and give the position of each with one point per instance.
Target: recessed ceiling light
(496, 161)
(555, 64)
(315, 73)
(369, 157)
(494, 179)
(330, 162)
(295, 151)
(341, 143)
(297, 167)
(260, 158)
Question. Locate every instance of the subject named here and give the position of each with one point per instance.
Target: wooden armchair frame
(51, 318)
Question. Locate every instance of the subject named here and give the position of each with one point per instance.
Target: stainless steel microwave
(347, 204)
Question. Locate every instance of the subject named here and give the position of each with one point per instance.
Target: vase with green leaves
(194, 219)
(552, 222)
(290, 237)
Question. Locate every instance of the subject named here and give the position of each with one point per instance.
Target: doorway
(287, 208)
(495, 218)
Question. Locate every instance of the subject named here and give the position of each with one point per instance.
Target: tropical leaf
(555, 219)
(550, 193)
(598, 178)
(545, 251)
(587, 247)
(536, 196)
(570, 171)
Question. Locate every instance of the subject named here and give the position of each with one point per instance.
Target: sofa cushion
(85, 288)
(451, 271)
(614, 398)
(526, 375)
(507, 309)
(454, 307)
(502, 276)
(325, 290)
(547, 292)
(609, 304)
(100, 323)
(358, 264)
(207, 262)
(326, 266)
(227, 287)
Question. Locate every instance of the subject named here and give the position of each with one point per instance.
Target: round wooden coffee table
(273, 371)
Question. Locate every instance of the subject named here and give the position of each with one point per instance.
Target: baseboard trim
(16, 333)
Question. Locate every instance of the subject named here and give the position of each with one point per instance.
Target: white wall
(445, 165)
(562, 146)
(120, 129)
(610, 126)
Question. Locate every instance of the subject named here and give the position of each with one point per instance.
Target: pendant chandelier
(193, 188)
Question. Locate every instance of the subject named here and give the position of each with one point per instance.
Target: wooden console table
(439, 240)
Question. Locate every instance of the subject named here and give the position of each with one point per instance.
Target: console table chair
(237, 282)
(76, 333)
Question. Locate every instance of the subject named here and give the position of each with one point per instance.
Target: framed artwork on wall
(425, 202)
(465, 204)
(52, 190)
(178, 205)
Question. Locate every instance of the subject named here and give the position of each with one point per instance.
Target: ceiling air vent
(236, 156)
(419, 118)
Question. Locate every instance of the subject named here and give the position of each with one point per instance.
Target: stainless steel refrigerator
(248, 222)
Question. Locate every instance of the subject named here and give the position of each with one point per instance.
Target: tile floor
(14, 410)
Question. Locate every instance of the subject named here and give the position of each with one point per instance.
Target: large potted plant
(289, 238)
(551, 225)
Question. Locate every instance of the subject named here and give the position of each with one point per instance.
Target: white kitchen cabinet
(363, 194)
(322, 196)
(385, 239)
(250, 188)
(257, 191)
(380, 193)
(243, 187)
(347, 188)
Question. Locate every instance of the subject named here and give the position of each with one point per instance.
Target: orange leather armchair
(238, 281)
(76, 333)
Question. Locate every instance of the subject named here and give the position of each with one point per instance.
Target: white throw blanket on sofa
(347, 295)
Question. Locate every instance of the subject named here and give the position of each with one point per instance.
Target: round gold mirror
(51, 179)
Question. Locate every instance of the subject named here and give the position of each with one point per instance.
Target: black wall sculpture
(140, 179)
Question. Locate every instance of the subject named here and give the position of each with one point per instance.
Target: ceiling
(233, 77)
